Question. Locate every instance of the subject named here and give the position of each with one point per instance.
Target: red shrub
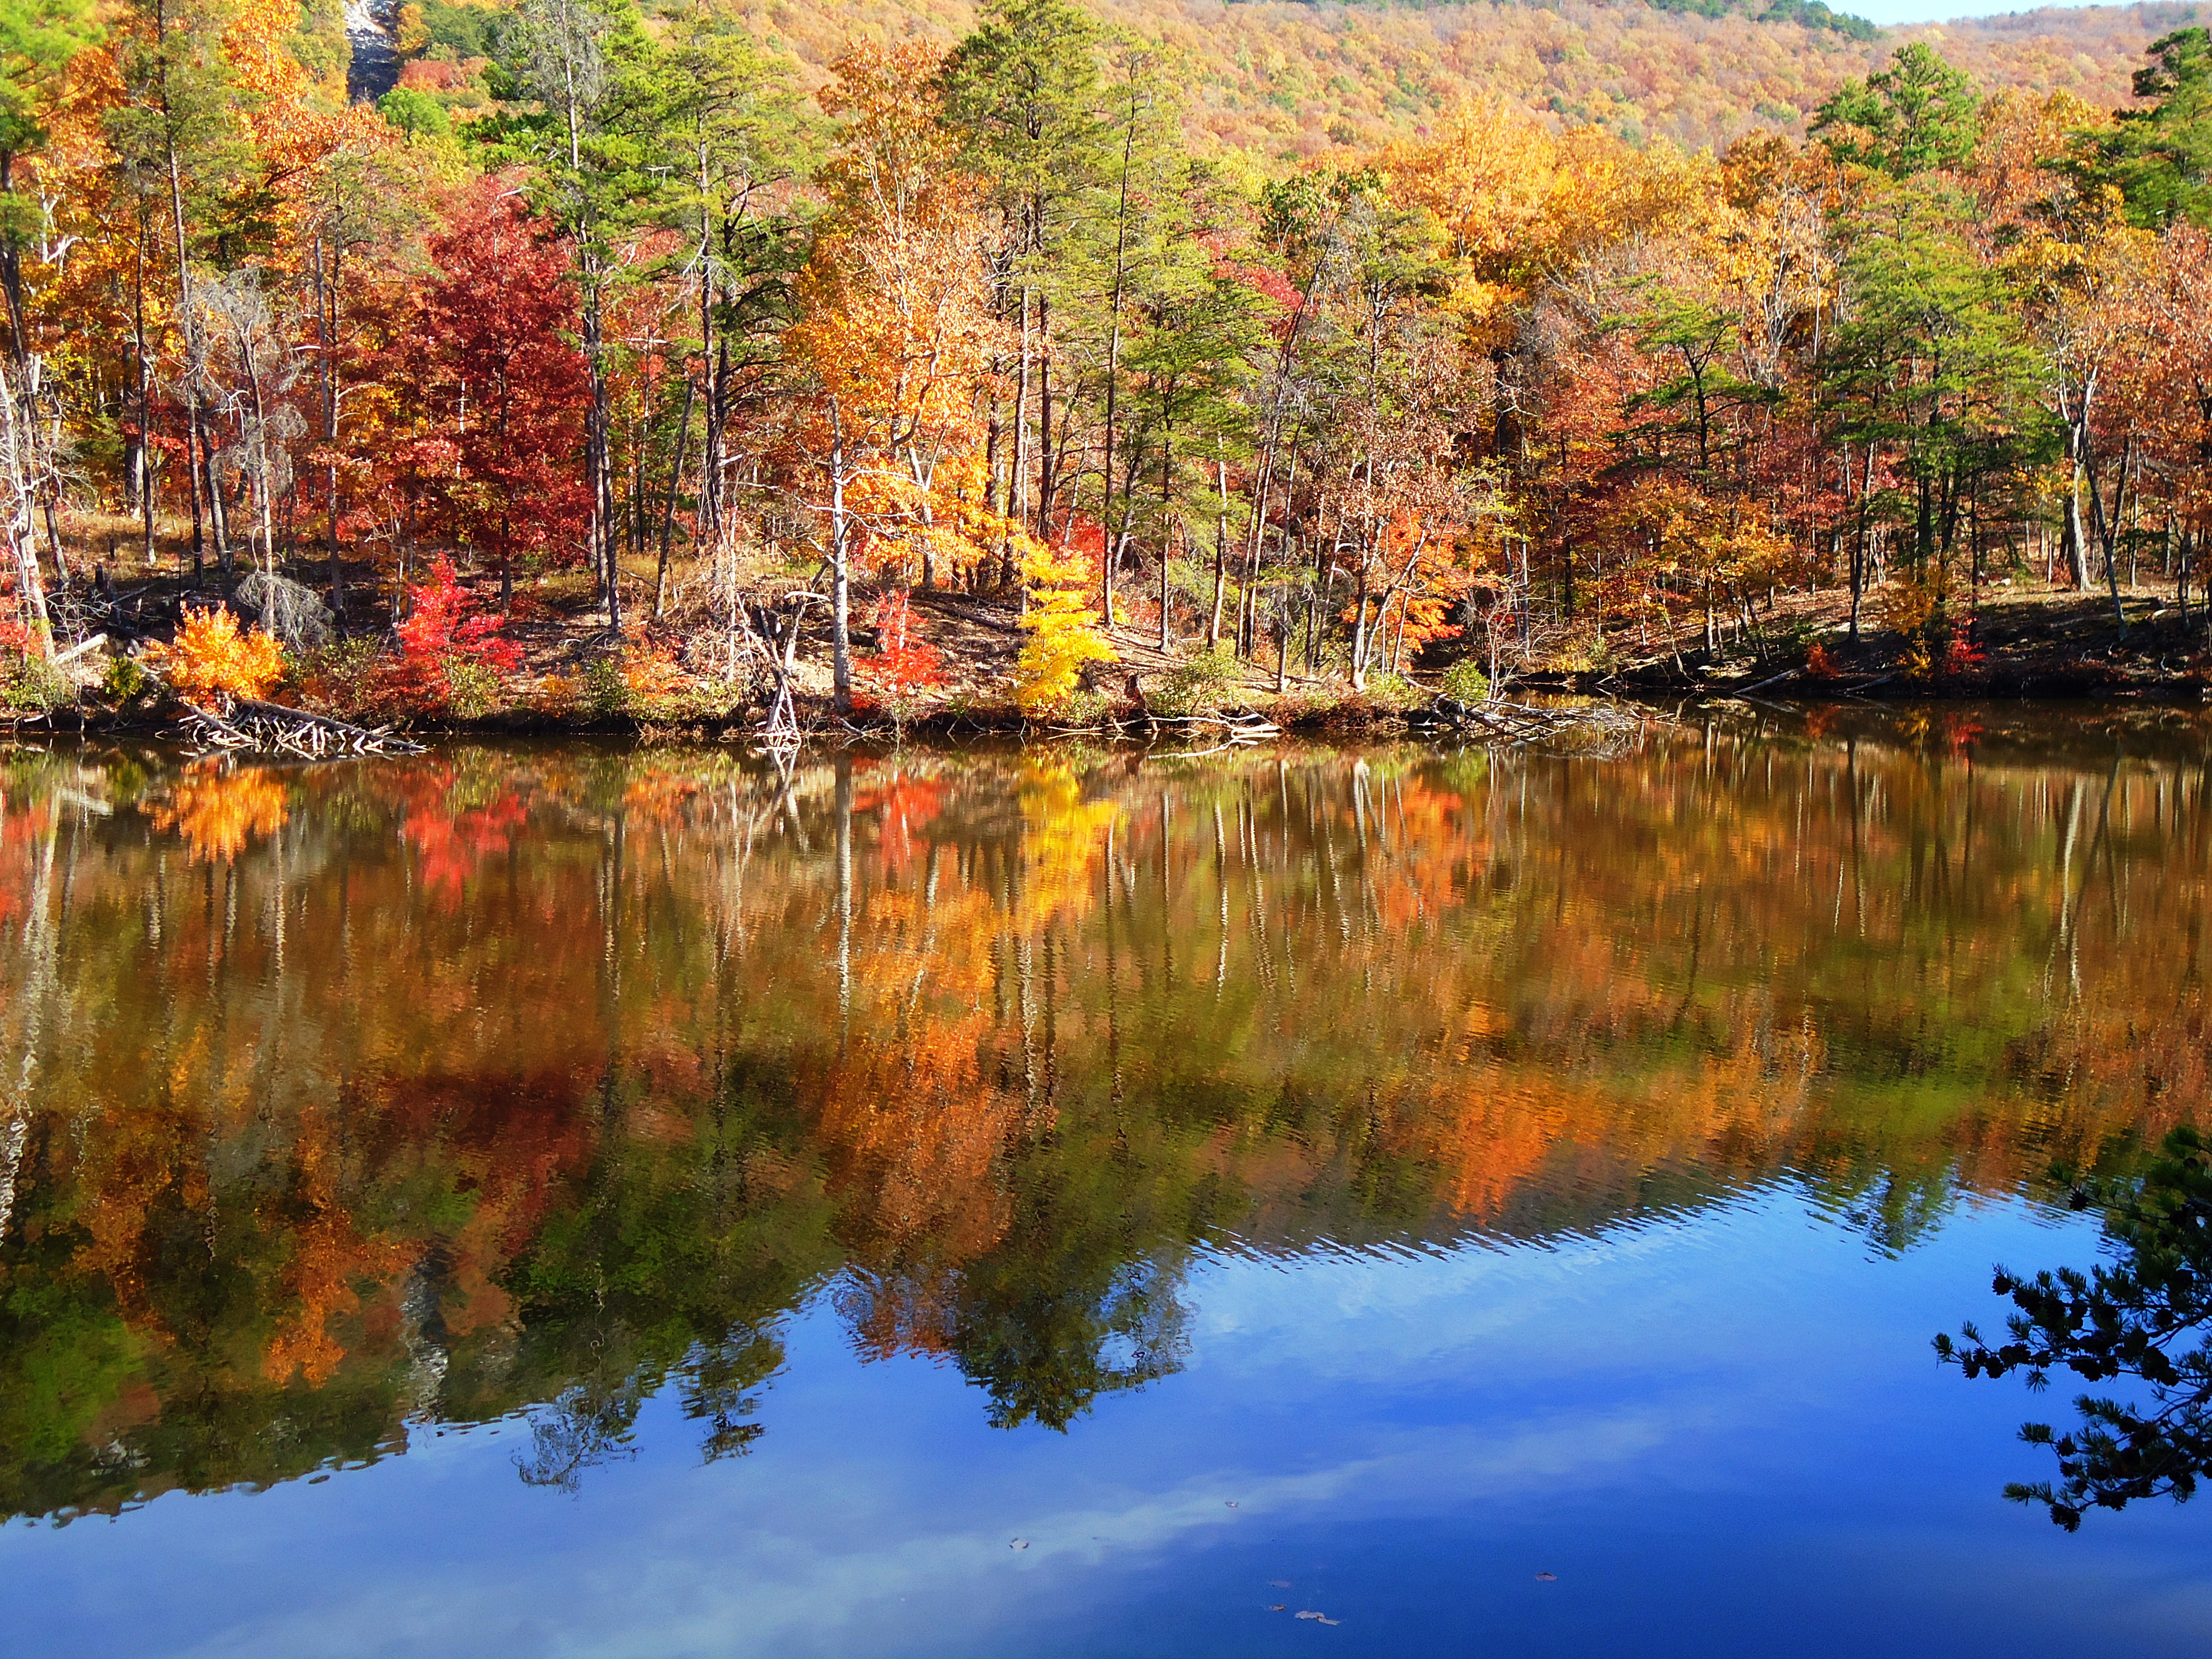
(443, 638)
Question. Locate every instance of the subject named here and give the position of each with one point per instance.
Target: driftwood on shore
(1523, 722)
(249, 727)
(1228, 728)
(1235, 725)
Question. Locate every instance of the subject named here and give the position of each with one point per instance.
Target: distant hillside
(1294, 81)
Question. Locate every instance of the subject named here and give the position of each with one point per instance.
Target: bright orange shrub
(211, 659)
(649, 669)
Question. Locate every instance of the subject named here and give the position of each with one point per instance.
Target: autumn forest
(931, 828)
(598, 367)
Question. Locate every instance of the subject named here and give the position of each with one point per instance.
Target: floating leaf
(1309, 1613)
(1323, 1618)
(1279, 1584)
(1232, 1503)
(1547, 1578)
(1275, 1607)
(1019, 1544)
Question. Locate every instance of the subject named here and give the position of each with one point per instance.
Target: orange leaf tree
(892, 344)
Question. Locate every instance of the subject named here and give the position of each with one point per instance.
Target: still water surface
(559, 1201)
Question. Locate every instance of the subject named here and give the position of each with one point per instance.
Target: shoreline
(572, 678)
(1351, 716)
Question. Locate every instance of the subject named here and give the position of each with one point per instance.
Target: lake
(1080, 1202)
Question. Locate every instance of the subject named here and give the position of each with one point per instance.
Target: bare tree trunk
(668, 508)
(2077, 540)
(1360, 629)
(599, 463)
(145, 456)
(1044, 427)
(196, 448)
(710, 518)
(326, 324)
(27, 365)
(218, 512)
(2107, 527)
(1220, 549)
(840, 650)
(1018, 489)
(1113, 373)
(19, 483)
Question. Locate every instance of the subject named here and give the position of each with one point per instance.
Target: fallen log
(252, 727)
(1229, 720)
(1518, 722)
(80, 649)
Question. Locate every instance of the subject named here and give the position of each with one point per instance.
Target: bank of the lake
(690, 675)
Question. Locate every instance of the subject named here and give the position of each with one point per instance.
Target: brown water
(644, 1106)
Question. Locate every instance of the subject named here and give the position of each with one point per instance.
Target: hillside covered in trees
(671, 362)
(1294, 81)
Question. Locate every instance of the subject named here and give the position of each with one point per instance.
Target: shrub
(557, 695)
(414, 113)
(449, 654)
(212, 660)
(32, 685)
(1961, 655)
(1198, 685)
(29, 682)
(1085, 707)
(473, 690)
(123, 680)
(1465, 682)
(904, 667)
(1586, 651)
(27, 678)
(604, 691)
(1912, 604)
(649, 671)
(1820, 663)
(1062, 635)
(346, 678)
(1392, 691)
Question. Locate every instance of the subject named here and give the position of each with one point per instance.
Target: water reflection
(341, 1101)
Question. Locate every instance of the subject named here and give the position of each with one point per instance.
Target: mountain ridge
(1293, 81)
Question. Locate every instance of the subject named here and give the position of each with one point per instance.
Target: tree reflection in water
(340, 1101)
(2146, 1317)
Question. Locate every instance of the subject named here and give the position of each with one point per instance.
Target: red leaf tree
(503, 385)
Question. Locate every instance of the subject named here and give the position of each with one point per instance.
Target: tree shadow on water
(2143, 1316)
